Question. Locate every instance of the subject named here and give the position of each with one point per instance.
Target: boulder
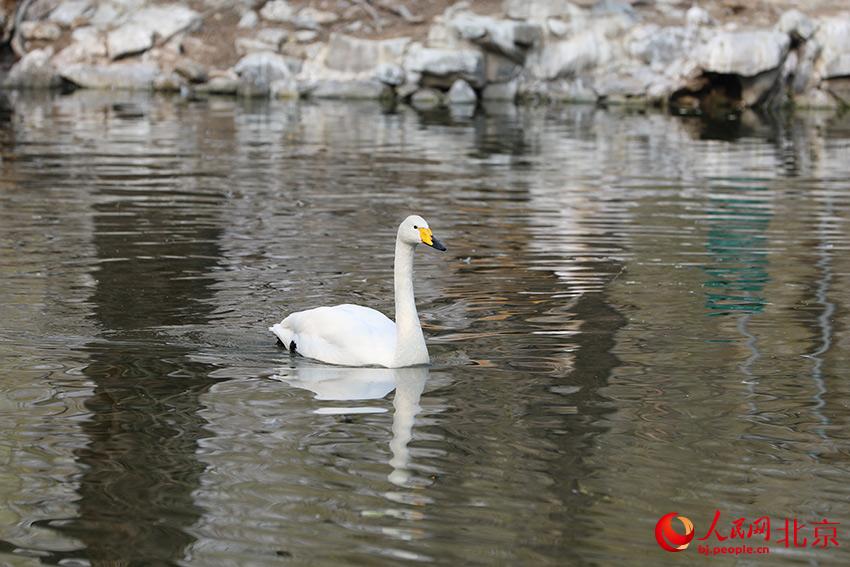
(461, 93)
(284, 88)
(426, 99)
(129, 75)
(659, 46)
(40, 31)
(313, 19)
(128, 39)
(169, 82)
(71, 12)
(696, 16)
(165, 20)
(257, 71)
(509, 37)
(390, 74)
(344, 89)
(192, 71)
(306, 36)
(33, 71)
(277, 11)
(540, 10)
(834, 38)
(354, 55)
(440, 67)
(571, 57)
(745, 53)
(222, 85)
(499, 69)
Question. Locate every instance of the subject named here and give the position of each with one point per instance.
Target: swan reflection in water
(339, 383)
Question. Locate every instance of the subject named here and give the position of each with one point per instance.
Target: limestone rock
(168, 82)
(540, 10)
(33, 71)
(118, 75)
(257, 71)
(511, 38)
(313, 19)
(834, 37)
(306, 36)
(191, 70)
(129, 39)
(461, 93)
(443, 66)
(87, 45)
(222, 85)
(277, 11)
(499, 69)
(571, 57)
(696, 16)
(745, 53)
(354, 55)
(390, 74)
(348, 89)
(796, 23)
(426, 99)
(40, 31)
(165, 20)
(71, 12)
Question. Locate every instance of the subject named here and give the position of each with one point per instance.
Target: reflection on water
(638, 314)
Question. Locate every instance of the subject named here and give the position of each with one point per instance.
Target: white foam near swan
(352, 335)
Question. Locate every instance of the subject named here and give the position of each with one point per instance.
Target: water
(637, 314)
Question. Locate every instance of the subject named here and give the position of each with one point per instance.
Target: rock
(354, 55)
(511, 38)
(696, 16)
(313, 19)
(796, 23)
(129, 75)
(573, 56)
(426, 99)
(106, 15)
(87, 45)
(816, 98)
(257, 71)
(40, 31)
(277, 11)
(745, 53)
(246, 45)
(390, 74)
(440, 67)
(33, 71)
(335, 89)
(803, 73)
(166, 20)
(500, 91)
(248, 20)
(193, 71)
(461, 93)
(540, 10)
(557, 27)
(219, 85)
(834, 37)
(129, 39)
(613, 8)
(71, 12)
(306, 36)
(659, 46)
(274, 37)
(284, 88)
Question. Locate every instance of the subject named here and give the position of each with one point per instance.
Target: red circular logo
(670, 539)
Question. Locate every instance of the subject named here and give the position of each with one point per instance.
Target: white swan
(352, 335)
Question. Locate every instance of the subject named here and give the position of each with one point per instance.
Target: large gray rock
(166, 20)
(499, 69)
(313, 19)
(500, 91)
(33, 71)
(461, 93)
(442, 66)
(509, 37)
(540, 10)
(129, 75)
(128, 39)
(390, 74)
(834, 37)
(277, 11)
(354, 55)
(71, 12)
(347, 89)
(745, 53)
(573, 56)
(659, 46)
(249, 20)
(257, 71)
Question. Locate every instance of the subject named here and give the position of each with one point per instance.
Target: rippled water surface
(637, 314)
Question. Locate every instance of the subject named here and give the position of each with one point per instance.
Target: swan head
(415, 230)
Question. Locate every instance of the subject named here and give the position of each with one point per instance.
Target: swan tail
(284, 335)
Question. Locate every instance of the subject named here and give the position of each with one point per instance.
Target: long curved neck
(410, 343)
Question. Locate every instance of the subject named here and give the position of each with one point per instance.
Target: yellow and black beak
(428, 238)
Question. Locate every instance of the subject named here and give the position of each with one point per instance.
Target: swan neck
(410, 343)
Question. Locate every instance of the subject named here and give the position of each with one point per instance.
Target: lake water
(637, 314)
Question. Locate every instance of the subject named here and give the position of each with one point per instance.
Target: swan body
(353, 335)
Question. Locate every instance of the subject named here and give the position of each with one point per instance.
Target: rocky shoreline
(662, 52)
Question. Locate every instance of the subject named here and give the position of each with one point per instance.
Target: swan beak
(428, 239)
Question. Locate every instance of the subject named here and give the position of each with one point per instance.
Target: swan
(353, 335)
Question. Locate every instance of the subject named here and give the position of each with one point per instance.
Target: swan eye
(416, 227)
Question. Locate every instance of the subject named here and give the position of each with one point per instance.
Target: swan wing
(349, 335)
